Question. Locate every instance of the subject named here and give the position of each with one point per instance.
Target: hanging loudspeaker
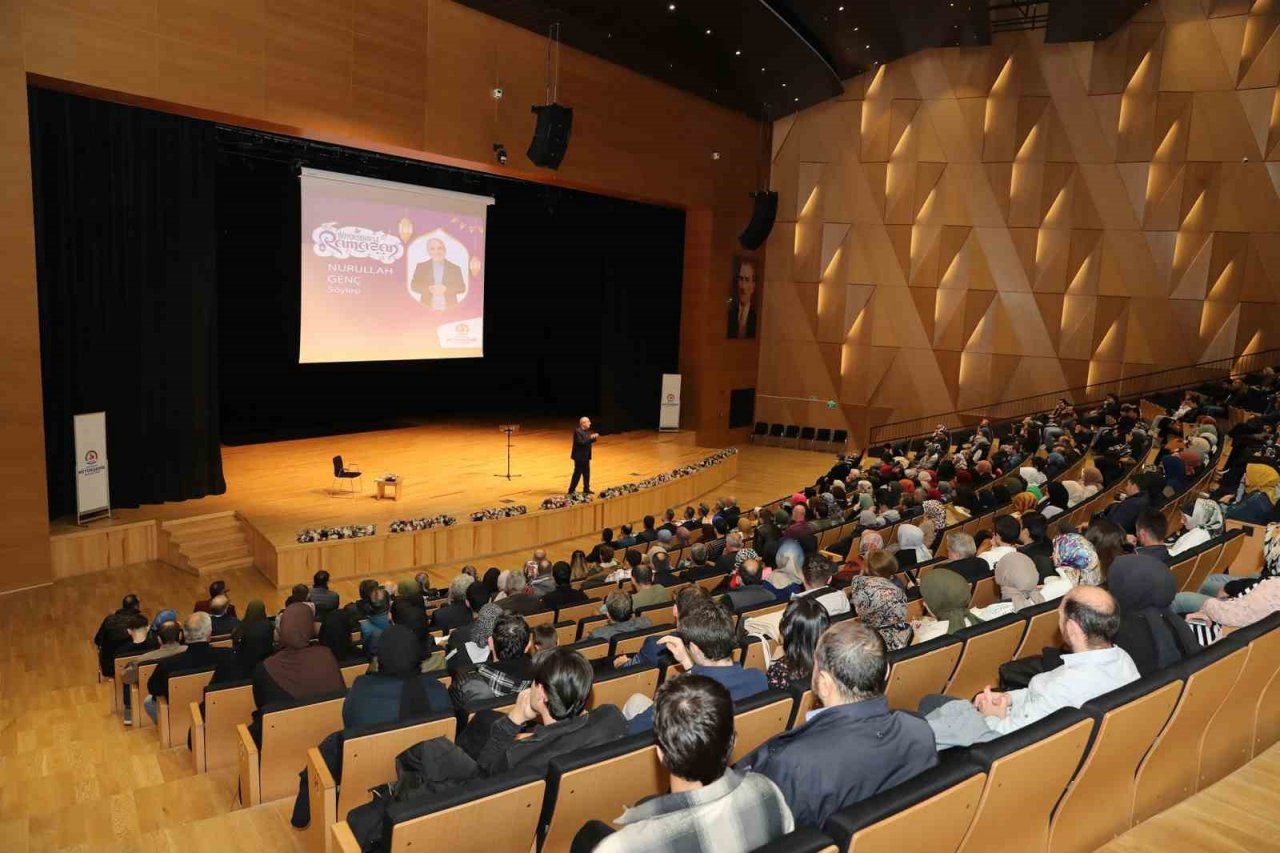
(757, 230)
(551, 136)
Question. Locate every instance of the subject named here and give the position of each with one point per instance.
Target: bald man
(437, 282)
(1089, 619)
(583, 438)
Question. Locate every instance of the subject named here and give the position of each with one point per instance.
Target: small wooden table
(393, 486)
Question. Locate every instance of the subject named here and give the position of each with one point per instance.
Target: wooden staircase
(206, 544)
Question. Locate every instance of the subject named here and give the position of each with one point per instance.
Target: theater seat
(1042, 629)
(1168, 773)
(597, 784)
(758, 718)
(497, 813)
(917, 671)
(986, 647)
(615, 688)
(1229, 744)
(927, 814)
(270, 771)
(1098, 803)
(1027, 772)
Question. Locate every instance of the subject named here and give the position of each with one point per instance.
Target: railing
(1127, 387)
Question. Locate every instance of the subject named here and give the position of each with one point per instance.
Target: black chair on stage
(346, 473)
(761, 431)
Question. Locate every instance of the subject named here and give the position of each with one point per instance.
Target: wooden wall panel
(1058, 214)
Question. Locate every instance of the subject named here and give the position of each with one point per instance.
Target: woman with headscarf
(1203, 520)
(1256, 494)
(469, 646)
(1019, 581)
(1035, 480)
(936, 513)
(299, 671)
(855, 563)
(1056, 502)
(1153, 635)
(1091, 481)
(335, 635)
(408, 616)
(1176, 475)
(946, 595)
(1024, 502)
(802, 624)
(490, 579)
(928, 535)
(255, 611)
(911, 538)
(1077, 561)
(882, 606)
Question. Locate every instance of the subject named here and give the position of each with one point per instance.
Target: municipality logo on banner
(354, 241)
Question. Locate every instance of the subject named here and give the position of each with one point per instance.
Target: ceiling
(768, 58)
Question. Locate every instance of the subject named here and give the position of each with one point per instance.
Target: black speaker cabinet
(551, 136)
(762, 216)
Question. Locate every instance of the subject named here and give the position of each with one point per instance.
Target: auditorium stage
(276, 489)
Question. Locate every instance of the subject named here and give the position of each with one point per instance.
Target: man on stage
(583, 438)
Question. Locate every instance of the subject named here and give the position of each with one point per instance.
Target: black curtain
(126, 264)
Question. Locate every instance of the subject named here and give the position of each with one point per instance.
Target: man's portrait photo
(744, 298)
(438, 282)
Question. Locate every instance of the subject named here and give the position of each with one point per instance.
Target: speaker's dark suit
(581, 456)
(424, 277)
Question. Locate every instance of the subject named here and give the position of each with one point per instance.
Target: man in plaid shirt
(710, 807)
(508, 670)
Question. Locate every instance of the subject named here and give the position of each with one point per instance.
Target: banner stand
(93, 489)
(669, 408)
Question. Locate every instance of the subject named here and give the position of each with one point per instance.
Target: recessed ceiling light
(797, 100)
(841, 9)
(671, 7)
(737, 53)
(708, 31)
(855, 29)
(784, 85)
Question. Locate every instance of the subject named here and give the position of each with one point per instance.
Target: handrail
(1128, 386)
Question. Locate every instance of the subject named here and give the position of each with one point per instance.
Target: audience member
(1154, 636)
(802, 624)
(1037, 545)
(946, 596)
(1151, 529)
(752, 592)
(710, 807)
(1108, 541)
(622, 619)
(224, 622)
(456, 613)
(1088, 619)
(881, 604)
(1202, 520)
(564, 595)
(544, 638)
(251, 643)
(1019, 581)
(113, 636)
(704, 644)
(170, 637)
(323, 598)
(851, 747)
(555, 706)
(508, 671)
(517, 599)
(377, 621)
(1076, 559)
(647, 592)
(653, 654)
(299, 671)
(198, 654)
(1005, 534)
(962, 553)
(818, 572)
(217, 588)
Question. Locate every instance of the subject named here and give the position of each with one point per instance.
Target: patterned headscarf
(1076, 554)
(486, 619)
(868, 542)
(937, 513)
(1205, 513)
(1271, 551)
(882, 606)
(1024, 502)
(743, 555)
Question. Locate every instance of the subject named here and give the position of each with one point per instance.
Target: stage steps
(206, 544)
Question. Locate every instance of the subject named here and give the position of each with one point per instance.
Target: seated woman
(946, 597)
(802, 625)
(1254, 604)
(1201, 520)
(398, 692)
(1018, 580)
(855, 565)
(1076, 560)
(882, 606)
(1153, 635)
(911, 539)
(1056, 502)
(298, 672)
(1223, 586)
(253, 640)
(335, 635)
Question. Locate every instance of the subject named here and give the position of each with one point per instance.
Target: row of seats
(798, 435)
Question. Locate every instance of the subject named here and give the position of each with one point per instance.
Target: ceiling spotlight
(797, 100)
(784, 85)
(840, 9)
(715, 155)
(737, 53)
(867, 46)
(708, 31)
(671, 7)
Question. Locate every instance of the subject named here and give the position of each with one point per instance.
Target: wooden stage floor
(284, 486)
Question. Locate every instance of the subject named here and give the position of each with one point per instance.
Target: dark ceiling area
(769, 58)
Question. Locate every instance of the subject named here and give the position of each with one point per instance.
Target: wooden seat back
(631, 645)
(1228, 745)
(758, 724)
(578, 611)
(986, 647)
(287, 734)
(224, 709)
(753, 654)
(352, 671)
(370, 760)
(174, 717)
(506, 820)
(1042, 632)
(117, 682)
(934, 825)
(1183, 568)
(912, 678)
(1097, 806)
(1205, 564)
(710, 583)
(600, 791)
(141, 720)
(1023, 787)
(984, 592)
(616, 690)
(542, 617)
(1168, 773)
(1230, 550)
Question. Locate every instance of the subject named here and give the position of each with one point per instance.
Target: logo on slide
(91, 457)
(462, 329)
(353, 241)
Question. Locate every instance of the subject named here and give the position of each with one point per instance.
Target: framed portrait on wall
(744, 297)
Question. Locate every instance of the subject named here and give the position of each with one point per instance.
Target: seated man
(508, 670)
(114, 637)
(198, 655)
(457, 613)
(753, 592)
(853, 746)
(622, 618)
(710, 807)
(703, 645)
(653, 654)
(1088, 619)
(695, 564)
(224, 622)
(216, 589)
(647, 592)
(563, 595)
(663, 577)
(818, 573)
(517, 600)
(324, 599)
(1151, 528)
(555, 707)
(961, 551)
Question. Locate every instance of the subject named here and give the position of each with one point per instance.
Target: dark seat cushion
(802, 840)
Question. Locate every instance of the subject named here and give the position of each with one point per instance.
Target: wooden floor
(284, 486)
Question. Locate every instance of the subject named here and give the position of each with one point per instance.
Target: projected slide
(390, 271)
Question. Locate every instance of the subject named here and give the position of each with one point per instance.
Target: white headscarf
(911, 538)
(1032, 477)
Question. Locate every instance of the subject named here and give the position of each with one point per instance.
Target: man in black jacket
(555, 708)
(460, 611)
(583, 438)
(113, 633)
(564, 594)
(198, 656)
